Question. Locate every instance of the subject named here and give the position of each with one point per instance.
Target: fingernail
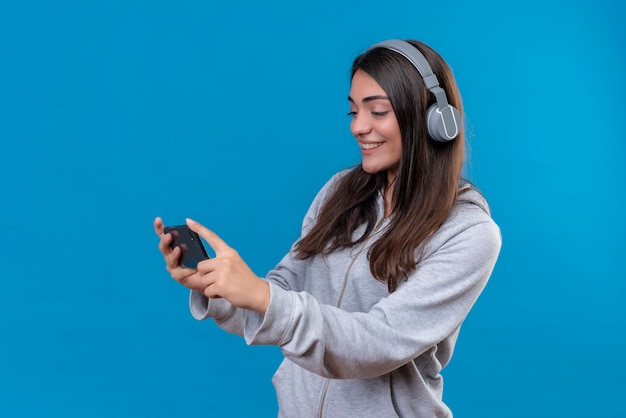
(190, 221)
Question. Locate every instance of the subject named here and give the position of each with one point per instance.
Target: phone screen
(192, 249)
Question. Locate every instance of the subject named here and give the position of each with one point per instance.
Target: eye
(351, 113)
(380, 114)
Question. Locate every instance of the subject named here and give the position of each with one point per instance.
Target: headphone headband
(443, 120)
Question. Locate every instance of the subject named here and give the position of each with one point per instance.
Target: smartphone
(192, 249)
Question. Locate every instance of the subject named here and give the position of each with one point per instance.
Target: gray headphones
(442, 119)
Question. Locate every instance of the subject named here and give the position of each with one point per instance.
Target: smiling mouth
(371, 146)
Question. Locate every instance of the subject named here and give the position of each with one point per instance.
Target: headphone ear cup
(443, 125)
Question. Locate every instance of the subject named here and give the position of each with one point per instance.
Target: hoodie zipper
(343, 289)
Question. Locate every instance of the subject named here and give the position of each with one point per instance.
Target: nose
(360, 125)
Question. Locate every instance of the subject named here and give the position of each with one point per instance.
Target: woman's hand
(224, 276)
(185, 276)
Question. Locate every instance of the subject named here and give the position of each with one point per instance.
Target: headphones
(442, 119)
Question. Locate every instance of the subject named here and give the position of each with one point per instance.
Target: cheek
(393, 134)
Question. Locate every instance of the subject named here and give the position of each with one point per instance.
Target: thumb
(215, 242)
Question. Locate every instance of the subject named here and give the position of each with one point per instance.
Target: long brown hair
(426, 184)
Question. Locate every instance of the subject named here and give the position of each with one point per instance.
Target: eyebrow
(370, 98)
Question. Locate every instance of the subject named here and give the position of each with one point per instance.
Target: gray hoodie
(351, 348)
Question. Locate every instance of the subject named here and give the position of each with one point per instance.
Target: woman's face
(374, 125)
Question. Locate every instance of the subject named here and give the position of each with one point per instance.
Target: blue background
(233, 113)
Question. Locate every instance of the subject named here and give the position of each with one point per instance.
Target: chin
(374, 167)
(391, 169)
(370, 169)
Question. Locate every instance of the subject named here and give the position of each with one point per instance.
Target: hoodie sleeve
(422, 312)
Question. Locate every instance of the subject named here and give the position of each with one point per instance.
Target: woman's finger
(209, 265)
(182, 275)
(164, 244)
(215, 242)
(171, 259)
(209, 292)
(159, 228)
(188, 278)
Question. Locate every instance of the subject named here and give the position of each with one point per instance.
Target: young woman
(368, 304)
